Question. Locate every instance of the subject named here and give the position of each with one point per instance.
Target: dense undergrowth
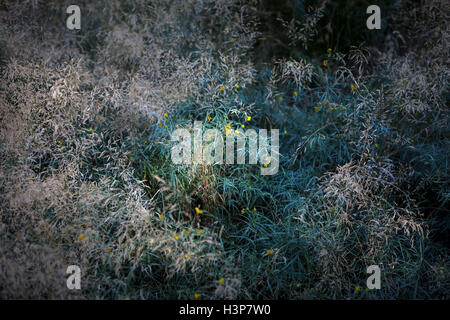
(87, 176)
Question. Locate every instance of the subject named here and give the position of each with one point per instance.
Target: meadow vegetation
(86, 173)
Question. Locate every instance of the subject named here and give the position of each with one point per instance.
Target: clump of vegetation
(86, 172)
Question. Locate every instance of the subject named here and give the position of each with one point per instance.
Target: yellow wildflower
(325, 62)
(316, 109)
(176, 238)
(208, 118)
(197, 295)
(198, 211)
(357, 288)
(285, 131)
(295, 93)
(166, 115)
(222, 88)
(221, 281)
(352, 87)
(243, 125)
(81, 237)
(249, 118)
(269, 252)
(280, 98)
(329, 50)
(160, 124)
(236, 86)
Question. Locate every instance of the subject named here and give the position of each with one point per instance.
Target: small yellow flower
(330, 108)
(59, 142)
(285, 131)
(176, 238)
(62, 147)
(326, 102)
(228, 126)
(186, 256)
(280, 98)
(441, 271)
(319, 103)
(343, 108)
(249, 187)
(166, 115)
(243, 125)
(316, 109)
(329, 50)
(145, 142)
(199, 231)
(352, 87)
(247, 209)
(357, 288)
(376, 145)
(165, 126)
(208, 118)
(298, 285)
(160, 216)
(228, 131)
(265, 165)
(160, 124)
(249, 118)
(221, 281)
(90, 129)
(269, 252)
(325, 62)
(110, 249)
(254, 209)
(242, 211)
(198, 211)
(295, 93)
(236, 86)
(236, 131)
(222, 88)
(81, 237)
(197, 295)
(131, 158)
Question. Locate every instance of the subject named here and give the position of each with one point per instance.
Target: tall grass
(87, 177)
